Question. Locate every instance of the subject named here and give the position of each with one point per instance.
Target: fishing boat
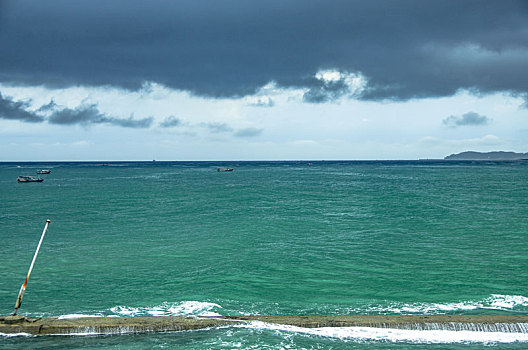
(43, 171)
(224, 169)
(29, 179)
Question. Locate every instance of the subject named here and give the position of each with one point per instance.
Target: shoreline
(148, 324)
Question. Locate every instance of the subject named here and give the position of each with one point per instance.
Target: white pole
(23, 288)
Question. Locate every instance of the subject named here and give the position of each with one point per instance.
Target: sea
(307, 237)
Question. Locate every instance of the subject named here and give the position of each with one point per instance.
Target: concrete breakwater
(122, 325)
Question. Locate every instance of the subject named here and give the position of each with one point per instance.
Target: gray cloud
(405, 49)
(217, 127)
(17, 110)
(80, 115)
(467, 119)
(262, 102)
(248, 132)
(84, 115)
(130, 122)
(324, 91)
(170, 122)
(48, 107)
(90, 114)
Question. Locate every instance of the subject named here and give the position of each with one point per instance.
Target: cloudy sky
(261, 80)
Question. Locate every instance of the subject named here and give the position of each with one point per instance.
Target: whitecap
(184, 308)
(194, 308)
(500, 301)
(493, 302)
(393, 335)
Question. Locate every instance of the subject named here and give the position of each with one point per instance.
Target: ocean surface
(180, 238)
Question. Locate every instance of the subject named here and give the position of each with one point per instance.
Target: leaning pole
(23, 287)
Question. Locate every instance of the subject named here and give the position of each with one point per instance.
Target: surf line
(122, 325)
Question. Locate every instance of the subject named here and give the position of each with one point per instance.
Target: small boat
(224, 169)
(43, 171)
(29, 179)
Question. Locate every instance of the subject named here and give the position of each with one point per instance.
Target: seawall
(121, 325)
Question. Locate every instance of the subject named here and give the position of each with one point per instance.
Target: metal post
(23, 288)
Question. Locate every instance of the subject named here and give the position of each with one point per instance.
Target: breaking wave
(185, 308)
(494, 302)
(392, 335)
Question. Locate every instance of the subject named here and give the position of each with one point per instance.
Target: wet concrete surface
(121, 325)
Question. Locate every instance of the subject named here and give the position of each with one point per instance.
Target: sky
(261, 80)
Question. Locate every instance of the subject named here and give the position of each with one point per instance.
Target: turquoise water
(180, 238)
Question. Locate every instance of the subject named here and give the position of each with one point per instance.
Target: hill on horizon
(495, 155)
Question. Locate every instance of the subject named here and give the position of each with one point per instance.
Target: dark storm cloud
(467, 119)
(85, 115)
(17, 110)
(405, 49)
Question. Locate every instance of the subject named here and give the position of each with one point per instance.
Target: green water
(268, 238)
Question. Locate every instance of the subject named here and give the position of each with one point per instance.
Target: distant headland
(497, 155)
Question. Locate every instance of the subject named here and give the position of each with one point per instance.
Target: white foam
(125, 310)
(73, 316)
(494, 302)
(393, 335)
(194, 308)
(184, 308)
(9, 335)
(499, 301)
